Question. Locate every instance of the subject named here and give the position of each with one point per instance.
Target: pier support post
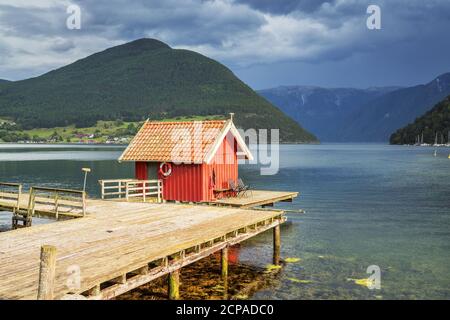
(224, 270)
(95, 291)
(47, 273)
(174, 285)
(276, 245)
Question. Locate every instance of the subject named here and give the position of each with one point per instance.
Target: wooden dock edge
(287, 198)
(266, 202)
(139, 276)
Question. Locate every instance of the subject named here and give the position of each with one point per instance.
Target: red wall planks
(224, 165)
(140, 170)
(184, 183)
(195, 182)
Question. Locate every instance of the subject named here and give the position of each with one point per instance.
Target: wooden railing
(65, 202)
(11, 192)
(144, 189)
(114, 188)
(131, 189)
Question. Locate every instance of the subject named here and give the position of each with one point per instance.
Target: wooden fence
(132, 190)
(113, 188)
(65, 202)
(11, 192)
(40, 201)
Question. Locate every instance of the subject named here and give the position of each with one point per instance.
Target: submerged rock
(300, 280)
(292, 260)
(366, 282)
(272, 267)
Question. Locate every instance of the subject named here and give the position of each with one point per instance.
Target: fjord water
(366, 204)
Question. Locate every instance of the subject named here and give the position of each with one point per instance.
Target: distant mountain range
(321, 110)
(432, 123)
(140, 79)
(357, 115)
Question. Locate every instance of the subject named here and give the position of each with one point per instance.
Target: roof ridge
(185, 121)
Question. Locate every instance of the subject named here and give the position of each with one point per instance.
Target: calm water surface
(365, 205)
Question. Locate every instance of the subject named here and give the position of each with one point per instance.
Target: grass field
(103, 131)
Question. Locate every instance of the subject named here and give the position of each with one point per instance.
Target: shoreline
(64, 144)
(124, 145)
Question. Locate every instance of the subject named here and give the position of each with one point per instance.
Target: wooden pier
(117, 246)
(254, 198)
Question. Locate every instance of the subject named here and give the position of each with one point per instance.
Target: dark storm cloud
(240, 33)
(283, 6)
(180, 22)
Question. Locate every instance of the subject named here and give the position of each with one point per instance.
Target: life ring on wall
(165, 169)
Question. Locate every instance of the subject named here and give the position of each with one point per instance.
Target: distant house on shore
(195, 159)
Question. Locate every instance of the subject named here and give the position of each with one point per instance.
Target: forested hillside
(435, 121)
(138, 80)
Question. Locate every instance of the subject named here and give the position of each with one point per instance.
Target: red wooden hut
(194, 159)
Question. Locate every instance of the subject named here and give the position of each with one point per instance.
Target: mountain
(354, 115)
(435, 121)
(378, 119)
(323, 111)
(140, 79)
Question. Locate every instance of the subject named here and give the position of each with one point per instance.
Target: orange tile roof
(187, 141)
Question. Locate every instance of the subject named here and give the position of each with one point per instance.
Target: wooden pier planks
(256, 198)
(115, 238)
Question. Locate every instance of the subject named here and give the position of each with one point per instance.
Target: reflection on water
(366, 205)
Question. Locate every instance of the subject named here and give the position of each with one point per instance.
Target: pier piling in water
(224, 270)
(47, 273)
(276, 245)
(174, 285)
(95, 291)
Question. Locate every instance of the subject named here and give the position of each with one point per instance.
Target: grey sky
(266, 43)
